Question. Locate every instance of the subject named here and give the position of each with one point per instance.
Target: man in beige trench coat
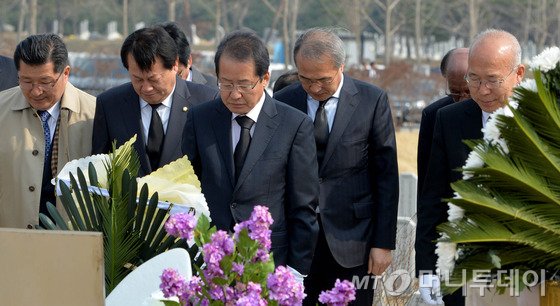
(44, 123)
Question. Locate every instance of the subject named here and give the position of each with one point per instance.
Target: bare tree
(125, 18)
(388, 7)
(171, 4)
(474, 11)
(21, 19)
(33, 17)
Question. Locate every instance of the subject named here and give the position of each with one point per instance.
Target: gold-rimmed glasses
(242, 88)
(321, 82)
(43, 85)
(476, 82)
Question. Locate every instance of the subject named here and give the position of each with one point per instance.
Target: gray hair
(317, 42)
(497, 34)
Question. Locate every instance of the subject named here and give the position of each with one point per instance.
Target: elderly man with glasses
(358, 171)
(45, 123)
(494, 69)
(453, 68)
(249, 149)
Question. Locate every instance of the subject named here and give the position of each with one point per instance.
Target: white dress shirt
(164, 111)
(236, 129)
(54, 111)
(330, 106)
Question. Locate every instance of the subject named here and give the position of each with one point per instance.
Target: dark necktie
(44, 115)
(155, 138)
(243, 145)
(321, 130)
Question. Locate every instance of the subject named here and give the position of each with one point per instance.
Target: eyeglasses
(242, 88)
(490, 84)
(320, 82)
(43, 85)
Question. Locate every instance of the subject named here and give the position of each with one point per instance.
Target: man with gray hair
(358, 172)
(494, 69)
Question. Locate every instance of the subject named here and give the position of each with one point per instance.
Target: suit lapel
(177, 117)
(344, 111)
(472, 127)
(267, 123)
(221, 126)
(300, 99)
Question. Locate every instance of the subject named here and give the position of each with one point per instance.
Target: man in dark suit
(358, 170)
(494, 68)
(453, 68)
(186, 70)
(153, 105)
(8, 72)
(249, 149)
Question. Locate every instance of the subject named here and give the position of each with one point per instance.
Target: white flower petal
(455, 213)
(447, 253)
(546, 60)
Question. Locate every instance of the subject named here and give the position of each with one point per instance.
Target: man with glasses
(453, 68)
(494, 69)
(358, 171)
(153, 105)
(249, 149)
(46, 122)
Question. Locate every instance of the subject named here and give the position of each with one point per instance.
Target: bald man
(453, 68)
(494, 69)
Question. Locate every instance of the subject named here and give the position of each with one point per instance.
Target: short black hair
(445, 61)
(40, 49)
(244, 45)
(285, 79)
(180, 38)
(146, 45)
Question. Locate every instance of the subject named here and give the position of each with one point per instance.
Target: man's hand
(430, 289)
(379, 260)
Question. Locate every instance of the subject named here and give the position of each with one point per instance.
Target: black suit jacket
(117, 117)
(8, 72)
(359, 183)
(280, 172)
(425, 137)
(454, 124)
(204, 79)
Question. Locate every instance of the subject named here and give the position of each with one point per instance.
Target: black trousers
(325, 270)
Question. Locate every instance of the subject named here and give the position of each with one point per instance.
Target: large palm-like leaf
(512, 203)
(133, 228)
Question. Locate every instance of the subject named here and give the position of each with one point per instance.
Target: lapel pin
(185, 108)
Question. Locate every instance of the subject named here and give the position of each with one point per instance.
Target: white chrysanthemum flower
(529, 84)
(546, 60)
(99, 161)
(492, 132)
(447, 254)
(473, 161)
(455, 213)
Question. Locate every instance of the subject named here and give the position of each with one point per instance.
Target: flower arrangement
(238, 269)
(131, 219)
(505, 212)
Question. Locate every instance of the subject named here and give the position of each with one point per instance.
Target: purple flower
(284, 288)
(213, 252)
(251, 296)
(172, 283)
(181, 225)
(192, 291)
(342, 294)
(237, 268)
